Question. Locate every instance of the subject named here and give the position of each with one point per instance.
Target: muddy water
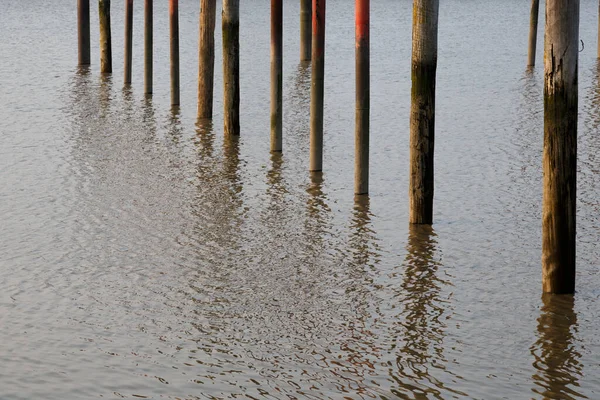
(142, 255)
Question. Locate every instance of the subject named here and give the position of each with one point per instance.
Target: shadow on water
(556, 358)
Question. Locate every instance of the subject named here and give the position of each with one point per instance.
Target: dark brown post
(422, 110)
(206, 58)
(83, 31)
(533, 28)
(276, 75)
(174, 36)
(305, 29)
(231, 66)
(317, 85)
(561, 51)
(148, 39)
(361, 161)
(128, 40)
(105, 36)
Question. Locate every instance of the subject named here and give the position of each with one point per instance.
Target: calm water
(144, 256)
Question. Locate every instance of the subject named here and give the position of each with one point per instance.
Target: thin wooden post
(206, 58)
(83, 31)
(128, 40)
(533, 28)
(317, 85)
(276, 75)
(148, 39)
(305, 29)
(561, 52)
(231, 66)
(105, 36)
(422, 110)
(174, 39)
(361, 160)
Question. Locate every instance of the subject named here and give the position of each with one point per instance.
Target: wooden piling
(105, 36)
(422, 110)
(148, 45)
(83, 32)
(206, 58)
(317, 85)
(128, 41)
(361, 133)
(276, 75)
(533, 28)
(561, 52)
(305, 29)
(231, 66)
(174, 39)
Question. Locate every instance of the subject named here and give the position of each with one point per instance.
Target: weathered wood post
(148, 39)
(105, 36)
(533, 28)
(361, 135)
(305, 29)
(206, 58)
(422, 110)
(276, 75)
(561, 52)
(231, 66)
(83, 31)
(174, 38)
(128, 40)
(317, 85)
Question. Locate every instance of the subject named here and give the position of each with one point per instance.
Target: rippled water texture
(142, 255)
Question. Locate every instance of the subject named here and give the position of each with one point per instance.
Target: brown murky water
(142, 255)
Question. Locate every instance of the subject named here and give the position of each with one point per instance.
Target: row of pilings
(560, 98)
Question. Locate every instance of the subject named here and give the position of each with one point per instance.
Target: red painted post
(83, 31)
(276, 75)
(361, 163)
(174, 38)
(128, 40)
(317, 85)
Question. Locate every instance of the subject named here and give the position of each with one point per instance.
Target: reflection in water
(556, 358)
(363, 239)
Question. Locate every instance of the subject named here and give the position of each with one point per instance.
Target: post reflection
(556, 358)
(363, 239)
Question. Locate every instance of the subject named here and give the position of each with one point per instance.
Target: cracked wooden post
(561, 52)
(305, 29)
(231, 66)
(422, 110)
(174, 39)
(533, 28)
(105, 36)
(128, 56)
(361, 134)
(148, 39)
(276, 75)
(206, 58)
(83, 32)
(317, 85)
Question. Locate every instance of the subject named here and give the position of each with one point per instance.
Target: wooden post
(83, 31)
(206, 58)
(422, 110)
(128, 40)
(276, 75)
(317, 85)
(231, 66)
(174, 38)
(148, 39)
(361, 160)
(533, 28)
(105, 36)
(561, 52)
(305, 30)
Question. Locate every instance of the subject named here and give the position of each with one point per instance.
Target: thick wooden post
(128, 40)
(206, 58)
(317, 85)
(105, 36)
(361, 135)
(276, 75)
(305, 29)
(422, 110)
(83, 31)
(174, 36)
(231, 66)
(561, 52)
(533, 28)
(148, 39)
